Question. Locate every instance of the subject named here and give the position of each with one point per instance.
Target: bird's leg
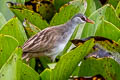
(26, 58)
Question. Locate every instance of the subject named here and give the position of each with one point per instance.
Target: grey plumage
(51, 41)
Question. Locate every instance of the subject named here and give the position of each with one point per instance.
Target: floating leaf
(106, 12)
(11, 70)
(64, 67)
(106, 67)
(7, 46)
(14, 28)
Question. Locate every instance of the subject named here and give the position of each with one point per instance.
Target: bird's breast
(60, 45)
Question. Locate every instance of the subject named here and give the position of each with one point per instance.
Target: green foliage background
(18, 23)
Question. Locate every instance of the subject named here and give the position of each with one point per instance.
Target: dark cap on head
(83, 18)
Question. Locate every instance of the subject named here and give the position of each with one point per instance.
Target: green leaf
(43, 8)
(113, 2)
(108, 13)
(66, 13)
(105, 29)
(107, 67)
(103, 43)
(98, 4)
(92, 5)
(118, 10)
(27, 73)
(46, 10)
(5, 10)
(45, 75)
(14, 28)
(30, 28)
(31, 16)
(64, 67)
(12, 68)
(2, 20)
(59, 3)
(7, 46)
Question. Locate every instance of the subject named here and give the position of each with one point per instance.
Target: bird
(51, 41)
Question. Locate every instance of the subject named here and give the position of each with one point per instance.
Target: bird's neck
(70, 26)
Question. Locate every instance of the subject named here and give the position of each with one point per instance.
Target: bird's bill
(90, 21)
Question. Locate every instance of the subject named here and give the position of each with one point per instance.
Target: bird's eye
(83, 18)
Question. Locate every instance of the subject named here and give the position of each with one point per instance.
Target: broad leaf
(45, 75)
(106, 67)
(27, 73)
(113, 2)
(5, 10)
(105, 29)
(69, 61)
(31, 16)
(11, 70)
(59, 3)
(106, 12)
(103, 43)
(92, 5)
(14, 28)
(7, 46)
(44, 8)
(66, 13)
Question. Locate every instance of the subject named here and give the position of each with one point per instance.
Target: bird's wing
(42, 41)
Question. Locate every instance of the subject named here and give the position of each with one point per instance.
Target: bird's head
(80, 18)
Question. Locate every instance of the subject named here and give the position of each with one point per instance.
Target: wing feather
(42, 41)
